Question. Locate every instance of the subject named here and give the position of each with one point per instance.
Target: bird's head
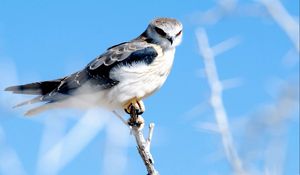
(166, 32)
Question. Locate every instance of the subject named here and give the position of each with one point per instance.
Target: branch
(282, 17)
(217, 102)
(136, 123)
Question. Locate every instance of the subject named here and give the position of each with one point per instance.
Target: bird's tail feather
(27, 102)
(37, 88)
(39, 109)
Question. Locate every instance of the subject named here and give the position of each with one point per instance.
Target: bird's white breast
(139, 79)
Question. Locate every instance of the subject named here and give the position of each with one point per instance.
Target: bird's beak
(171, 39)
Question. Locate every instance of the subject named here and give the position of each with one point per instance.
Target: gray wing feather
(117, 53)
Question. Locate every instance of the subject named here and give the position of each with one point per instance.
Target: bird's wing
(129, 51)
(96, 73)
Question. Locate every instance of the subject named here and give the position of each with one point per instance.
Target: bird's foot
(135, 104)
(136, 121)
(135, 108)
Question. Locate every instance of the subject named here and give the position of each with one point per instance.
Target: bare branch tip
(151, 125)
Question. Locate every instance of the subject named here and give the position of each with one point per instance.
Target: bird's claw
(135, 108)
(137, 121)
(136, 105)
(137, 111)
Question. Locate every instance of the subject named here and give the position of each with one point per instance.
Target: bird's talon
(136, 105)
(135, 108)
(136, 122)
(126, 110)
(139, 112)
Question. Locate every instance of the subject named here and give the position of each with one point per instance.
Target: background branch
(282, 17)
(217, 102)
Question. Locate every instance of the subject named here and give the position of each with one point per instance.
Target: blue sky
(41, 40)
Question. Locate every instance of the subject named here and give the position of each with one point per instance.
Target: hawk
(120, 78)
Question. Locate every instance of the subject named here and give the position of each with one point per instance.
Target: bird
(120, 78)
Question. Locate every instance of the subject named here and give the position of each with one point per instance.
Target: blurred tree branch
(217, 102)
(281, 16)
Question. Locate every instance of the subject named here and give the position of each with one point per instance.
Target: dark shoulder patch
(146, 55)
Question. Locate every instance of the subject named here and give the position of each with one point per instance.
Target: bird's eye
(160, 31)
(179, 33)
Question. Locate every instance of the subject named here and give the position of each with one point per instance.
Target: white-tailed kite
(117, 79)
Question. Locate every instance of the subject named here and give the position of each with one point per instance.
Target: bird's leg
(135, 119)
(138, 105)
(135, 108)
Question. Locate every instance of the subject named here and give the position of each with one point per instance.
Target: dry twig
(136, 123)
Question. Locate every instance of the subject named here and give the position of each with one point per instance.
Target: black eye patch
(160, 31)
